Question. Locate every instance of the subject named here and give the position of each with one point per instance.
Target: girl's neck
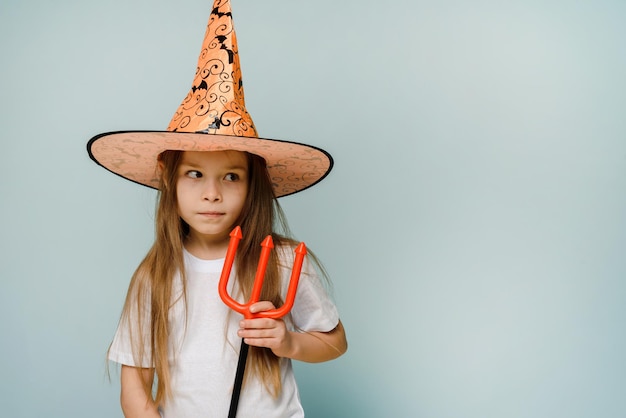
(206, 249)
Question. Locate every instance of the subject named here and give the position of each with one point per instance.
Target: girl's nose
(212, 191)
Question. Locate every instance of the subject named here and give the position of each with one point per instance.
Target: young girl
(175, 324)
(177, 342)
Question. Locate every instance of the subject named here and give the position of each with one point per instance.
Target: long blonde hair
(151, 285)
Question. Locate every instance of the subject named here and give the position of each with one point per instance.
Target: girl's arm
(135, 401)
(315, 347)
(311, 347)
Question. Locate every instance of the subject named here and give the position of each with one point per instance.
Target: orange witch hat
(212, 117)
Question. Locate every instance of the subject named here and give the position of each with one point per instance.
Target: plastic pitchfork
(244, 308)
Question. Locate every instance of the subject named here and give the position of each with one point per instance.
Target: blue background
(474, 225)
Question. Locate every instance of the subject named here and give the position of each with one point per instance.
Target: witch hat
(212, 117)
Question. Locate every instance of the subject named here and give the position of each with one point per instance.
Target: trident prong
(244, 308)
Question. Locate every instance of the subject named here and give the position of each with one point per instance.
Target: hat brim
(293, 167)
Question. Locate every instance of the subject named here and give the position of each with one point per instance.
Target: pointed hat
(212, 117)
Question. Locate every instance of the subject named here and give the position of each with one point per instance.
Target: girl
(175, 326)
(176, 341)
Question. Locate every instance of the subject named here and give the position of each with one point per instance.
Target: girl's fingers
(262, 332)
(258, 333)
(258, 323)
(262, 328)
(261, 306)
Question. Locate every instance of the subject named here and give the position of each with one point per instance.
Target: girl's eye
(231, 177)
(194, 174)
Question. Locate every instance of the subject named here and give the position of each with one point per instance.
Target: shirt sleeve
(313, 308)
(125, 348)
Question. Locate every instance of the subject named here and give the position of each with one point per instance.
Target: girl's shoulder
(285, 251)
(286, 254)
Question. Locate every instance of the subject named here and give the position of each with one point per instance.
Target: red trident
(244, 308)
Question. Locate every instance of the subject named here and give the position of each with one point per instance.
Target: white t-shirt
(203, 356)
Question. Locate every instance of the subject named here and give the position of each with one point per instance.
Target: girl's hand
(266, 332)
(311, 346)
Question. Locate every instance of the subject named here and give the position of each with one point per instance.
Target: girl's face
(211, 188)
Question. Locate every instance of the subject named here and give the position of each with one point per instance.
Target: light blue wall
(474, 226)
